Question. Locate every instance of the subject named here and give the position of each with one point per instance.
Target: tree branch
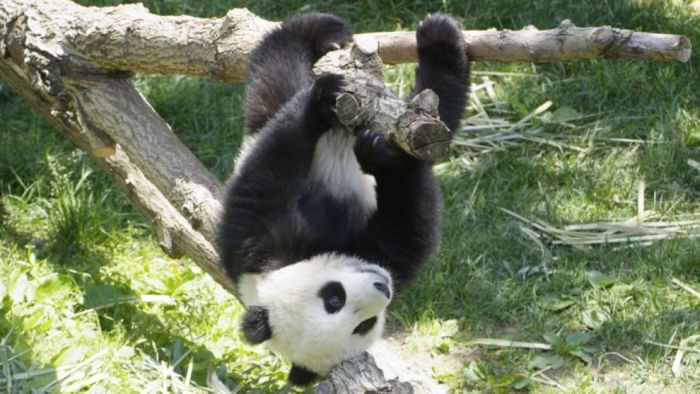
(565, 43)
(176, 236)
(129, 37)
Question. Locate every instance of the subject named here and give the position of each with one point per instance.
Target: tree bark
(66, 61)
(128, 37)
(565, 43)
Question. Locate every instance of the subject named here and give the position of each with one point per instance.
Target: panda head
(317, 312)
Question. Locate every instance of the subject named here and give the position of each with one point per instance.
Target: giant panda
(322, 227)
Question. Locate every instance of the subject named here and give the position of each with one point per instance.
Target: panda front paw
(377, 155)
(320, 112)
(441, 32)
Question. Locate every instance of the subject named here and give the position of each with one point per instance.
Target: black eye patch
(333, 295)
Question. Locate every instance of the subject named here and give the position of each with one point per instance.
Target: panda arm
(281, 64)
(405, 229)
(261, 195)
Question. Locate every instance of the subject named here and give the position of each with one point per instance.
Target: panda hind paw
(439, 29)
(325, 32)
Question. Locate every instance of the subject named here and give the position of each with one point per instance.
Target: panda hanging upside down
(321, 227)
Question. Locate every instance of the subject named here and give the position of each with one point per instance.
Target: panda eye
(334, 301)
(333, 304)
(333, 296)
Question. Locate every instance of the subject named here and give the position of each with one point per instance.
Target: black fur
(281, 65)
(301, 376)
(273, 217)
(443, 66)
(256, 325)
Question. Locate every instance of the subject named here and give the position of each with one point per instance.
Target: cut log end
(366, 44)
(430, 140)
(685, 49)
(347, 108)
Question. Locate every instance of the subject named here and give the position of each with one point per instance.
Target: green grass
(87, 301)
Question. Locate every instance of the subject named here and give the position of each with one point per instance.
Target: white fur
(335, 166)
(302, 330)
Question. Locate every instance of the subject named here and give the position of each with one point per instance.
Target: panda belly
(338, 189)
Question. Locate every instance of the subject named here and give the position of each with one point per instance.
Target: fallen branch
(508, 343)
(686, 287)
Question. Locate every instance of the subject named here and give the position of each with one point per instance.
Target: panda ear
(300, 376)
(256, 325)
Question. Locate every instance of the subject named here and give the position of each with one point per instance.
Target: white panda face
(319, 311)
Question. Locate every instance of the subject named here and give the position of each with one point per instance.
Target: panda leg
(443, 66)
(281, 64)
(300, 376)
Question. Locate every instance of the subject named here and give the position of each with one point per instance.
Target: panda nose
(381, 286)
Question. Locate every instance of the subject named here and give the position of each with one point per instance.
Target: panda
(322, 225)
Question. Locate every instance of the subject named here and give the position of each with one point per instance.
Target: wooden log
(129, 37)
(564, 43)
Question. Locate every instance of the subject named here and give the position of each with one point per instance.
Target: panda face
(318, 312)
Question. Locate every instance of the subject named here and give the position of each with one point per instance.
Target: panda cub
(321, 227)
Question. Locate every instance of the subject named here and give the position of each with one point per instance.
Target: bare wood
(565, 43)
(367, 104)
(176, 236)
(104, 107)
(128, 37)
(113, 106)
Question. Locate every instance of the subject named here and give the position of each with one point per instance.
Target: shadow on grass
(117, 305)
(118, 310)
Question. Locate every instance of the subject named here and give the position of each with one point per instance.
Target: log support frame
(72, 64)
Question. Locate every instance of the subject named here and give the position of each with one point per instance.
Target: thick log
(367, 104)
(102, 107)
(114, 107)
(128, 37)
(175, 234)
